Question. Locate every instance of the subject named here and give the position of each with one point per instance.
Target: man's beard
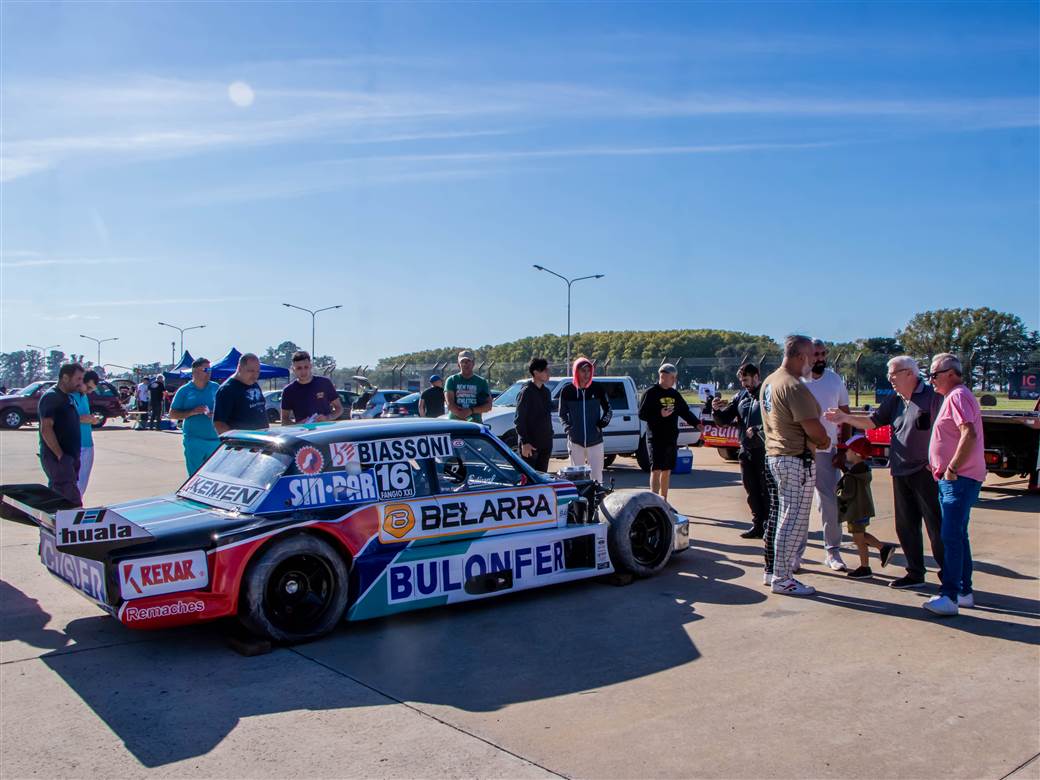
(819, 366)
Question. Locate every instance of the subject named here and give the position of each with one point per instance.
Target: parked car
(20, 408)
(624, 435)
(371, 402)
(296, 530)
(405, 406)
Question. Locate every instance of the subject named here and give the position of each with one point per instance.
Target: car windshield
(248, 465)
(508, 398)
(34, 387)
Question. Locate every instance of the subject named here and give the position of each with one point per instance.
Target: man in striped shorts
(791, 422)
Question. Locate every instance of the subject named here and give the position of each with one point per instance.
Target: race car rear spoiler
(37, 503)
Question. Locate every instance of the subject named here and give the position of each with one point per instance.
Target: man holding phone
(911, 411)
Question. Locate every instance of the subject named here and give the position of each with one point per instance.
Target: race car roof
(353, 430)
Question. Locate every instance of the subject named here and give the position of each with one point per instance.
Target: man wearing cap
(911, 411)
(660, 409)
(431, 402)
(467, 394)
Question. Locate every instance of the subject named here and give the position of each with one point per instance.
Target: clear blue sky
(836, 166)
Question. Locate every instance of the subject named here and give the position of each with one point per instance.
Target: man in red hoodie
(585, 412)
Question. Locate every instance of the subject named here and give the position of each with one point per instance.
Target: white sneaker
(835, 563)
(767, 578)
(792, 587)
(941, 605)
(966, 600)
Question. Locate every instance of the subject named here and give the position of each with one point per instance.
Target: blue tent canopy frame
(224, 368)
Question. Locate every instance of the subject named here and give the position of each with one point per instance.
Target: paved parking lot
(700, 672)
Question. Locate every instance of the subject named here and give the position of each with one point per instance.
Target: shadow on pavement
(179, 695)
(25, 621)
(1013, 500)
(967, 621)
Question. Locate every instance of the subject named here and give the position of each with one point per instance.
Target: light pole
(99, 342)
(569, 283)
(193, 327)
(314, 313)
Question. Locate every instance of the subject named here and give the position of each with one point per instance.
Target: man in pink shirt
(956, 457)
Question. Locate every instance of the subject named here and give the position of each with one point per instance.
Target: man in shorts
(661, 407)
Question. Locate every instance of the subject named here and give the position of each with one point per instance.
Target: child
(856, 505)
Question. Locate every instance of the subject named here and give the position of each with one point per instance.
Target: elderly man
(829, 391)
(60, 434)
(467, 394)
(240, 401)
(793, 431)
(956, 457)
(194, 403)
(745, 408)
(911, 411)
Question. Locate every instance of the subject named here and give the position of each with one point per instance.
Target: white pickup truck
(625, 435)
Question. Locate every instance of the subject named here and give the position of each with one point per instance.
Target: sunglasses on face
(205, 370)
(934, 374)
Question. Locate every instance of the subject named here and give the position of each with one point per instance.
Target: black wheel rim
(299, 592)
(649, 538)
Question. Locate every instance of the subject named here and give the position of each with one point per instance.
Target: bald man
(240, 401)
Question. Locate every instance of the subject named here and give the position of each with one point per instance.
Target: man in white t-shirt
(830, 392)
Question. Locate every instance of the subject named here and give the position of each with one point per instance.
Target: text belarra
(454, 514)
(92, 534)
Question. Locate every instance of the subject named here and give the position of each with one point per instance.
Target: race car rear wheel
(295, 591)
(641, 535)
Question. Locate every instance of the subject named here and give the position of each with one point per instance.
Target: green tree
(280, 355)
(53, 363)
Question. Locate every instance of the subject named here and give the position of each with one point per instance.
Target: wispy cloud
(38, 261)
(68, 317)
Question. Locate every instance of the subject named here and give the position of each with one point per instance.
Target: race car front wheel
(642, 532)
(295, 591)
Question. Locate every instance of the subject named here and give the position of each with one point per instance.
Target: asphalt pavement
(699, 672)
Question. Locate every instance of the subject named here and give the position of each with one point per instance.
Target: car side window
(478, 464)
(616, 395)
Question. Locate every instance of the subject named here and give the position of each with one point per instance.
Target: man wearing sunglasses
(194, 404)
(911, 411)
(957, 459)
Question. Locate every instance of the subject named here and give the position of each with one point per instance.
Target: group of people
(796, 444)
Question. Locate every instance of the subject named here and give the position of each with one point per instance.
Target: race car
(296, 530)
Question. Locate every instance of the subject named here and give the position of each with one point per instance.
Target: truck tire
(729, 453)
(608, 460)
(643, 455)
(295, 591)
(642, 531)
(12, 418)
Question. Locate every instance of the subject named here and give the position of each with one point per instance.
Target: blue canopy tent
(180, 371)
(227, 365)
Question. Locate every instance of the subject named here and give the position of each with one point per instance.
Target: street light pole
(314, 313)
(569, 282)
(181, 330)
(99, 342)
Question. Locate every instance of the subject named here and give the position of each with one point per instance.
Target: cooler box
(683, 461)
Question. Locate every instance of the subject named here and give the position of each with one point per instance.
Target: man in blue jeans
(956, 456)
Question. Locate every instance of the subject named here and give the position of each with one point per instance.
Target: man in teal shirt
(467, 394)
(86, 428)
(194, 404)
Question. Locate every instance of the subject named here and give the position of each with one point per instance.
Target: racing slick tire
(643, 455)
(12, 418)
(640, 539)
(295, 591)
(729, 453)
(608, 460)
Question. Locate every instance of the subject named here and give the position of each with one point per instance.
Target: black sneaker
(753, 533)
(908, 581)
(886, 553)
(861, 572)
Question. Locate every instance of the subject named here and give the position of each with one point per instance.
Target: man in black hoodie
(660, 409)
(585, 412)
(745, 410)
(533, 419)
